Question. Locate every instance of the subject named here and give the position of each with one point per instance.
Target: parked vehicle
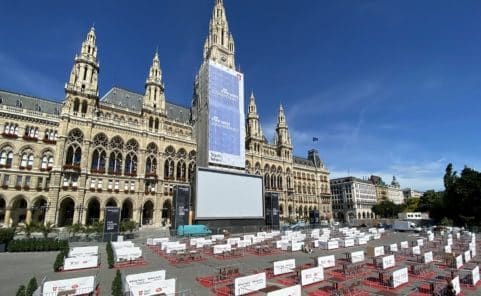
(193, 230)
(402, 225)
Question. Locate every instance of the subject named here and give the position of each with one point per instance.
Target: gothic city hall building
(64, 162)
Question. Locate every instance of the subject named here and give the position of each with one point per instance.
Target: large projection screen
(226, 116)
(225, 195)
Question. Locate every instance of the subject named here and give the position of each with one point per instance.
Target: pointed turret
(253, 126)
(282, 133)
(219, 44)
(154, 98)
(84, 74)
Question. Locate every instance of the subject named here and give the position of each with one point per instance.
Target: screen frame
(196, 217)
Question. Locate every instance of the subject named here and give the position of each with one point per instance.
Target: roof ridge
(30, 96)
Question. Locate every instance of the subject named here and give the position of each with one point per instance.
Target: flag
(314, 139)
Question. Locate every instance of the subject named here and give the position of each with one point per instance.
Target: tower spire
(219, 44)
(154, 97)
(282, 133)
(84, 74)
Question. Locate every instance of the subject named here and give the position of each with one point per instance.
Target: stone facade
(352, 198)
(65, 162)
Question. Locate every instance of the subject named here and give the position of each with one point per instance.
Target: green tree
(21, 291)
(411, 205)
(31, 287)
(46, 228)
(28, 229)
(387, 209)
(117, 284)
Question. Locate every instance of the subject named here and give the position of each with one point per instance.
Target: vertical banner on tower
(112, 223)
(226, 116)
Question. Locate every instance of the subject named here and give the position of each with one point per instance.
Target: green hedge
(59, 260)
(31, 287)
(110, 255)
(6, 235)
(37, 245)
(21, 291)
(117, 284)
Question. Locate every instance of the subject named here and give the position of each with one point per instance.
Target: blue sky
(388, 87)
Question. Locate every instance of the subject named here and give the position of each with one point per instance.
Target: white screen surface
(226, 195)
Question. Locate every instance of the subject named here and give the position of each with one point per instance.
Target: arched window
(74, 152)
(267, 180)
(156, 123)
(74, 155)
(130, 164)
(98, 161)
(150, 165)
(191, 170)
(6, 157)
(76, 105)
(181, 171)
(273, 182)
(279, 182)
(151, 122)
(169, 169)
(84, 107)
(47, 161)
(115, 162)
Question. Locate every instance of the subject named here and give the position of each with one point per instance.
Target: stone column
(7, 221)
(102, 214)
(28, 218)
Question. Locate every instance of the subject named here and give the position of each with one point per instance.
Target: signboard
(251, 283)
(416, 250)
(357, 256)
(75, 286)
(72, 263)
(428, 257)
(219, 249)
(326, 261)
(295, 246)
(449, 241)
(289, 291)
(400, 277)
(126, 254)
(362, 240)
(284, 266)
(420, 242)
(388, 262)
(216, 237)
(459, 261)
(447, 249)
(404, 245)
(83, 251)
(467, 256)
(178, 247)
(393, 248)
(162, 287)
(456, 285)
(348, 242)
(144, 278)
(226, 116)
(475, 275)
(112, 223)
(430, 237)
(378, 251)
(312, 275)
(157, 241)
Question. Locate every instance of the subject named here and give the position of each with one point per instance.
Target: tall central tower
(219, 44)
(218, 103)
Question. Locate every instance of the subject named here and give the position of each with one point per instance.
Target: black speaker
(271, 205)
(181, 205)
(314, 217)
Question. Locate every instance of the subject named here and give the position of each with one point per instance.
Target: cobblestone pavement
(18, 268)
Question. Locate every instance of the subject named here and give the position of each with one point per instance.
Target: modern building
(411, 193)
(66, 161)
(352, 198)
